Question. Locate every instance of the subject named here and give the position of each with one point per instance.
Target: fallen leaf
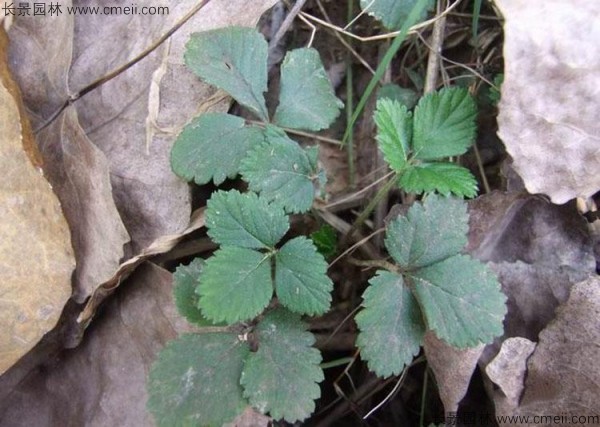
(35, 244)
(547, 118)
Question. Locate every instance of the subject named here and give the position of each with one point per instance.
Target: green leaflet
(281, 171)
(394, 132)
(282, 376)
(235, 285)
(391, 325)
(444, 124)
(394, 92)
(186, 280)
(445, 178)
(195, 381)
(325, 239)
(300, 278)
(461, 301)
(235, 60)
(306, 99)
(392, 13)
(212, 146)
(431, 232)
(244, 220)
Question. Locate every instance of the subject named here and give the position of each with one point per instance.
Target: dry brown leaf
(103, 381)
(35, 244)
(563, 374)
(548, 114)
(452, 368)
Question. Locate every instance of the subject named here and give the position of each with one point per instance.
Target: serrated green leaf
(212, 146)
(394, 92)
(444, 124)
(235, 285)
(394, 132)
(195, 381)
(301, 282)
(444, 178)
(391, 13)
(325, 240)
(461, 301)
(429, 233)
(391, 325)
(282, 377)
(235, 60)
(244, 220)
(306, 99)
(186, 280)
(282, 172)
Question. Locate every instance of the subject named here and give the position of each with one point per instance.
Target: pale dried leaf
(452, 368)
(548, 115)
(507, 370)
(35, 245)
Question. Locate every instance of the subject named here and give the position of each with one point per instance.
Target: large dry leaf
(563, 374)
(548, 115)
(36, 256)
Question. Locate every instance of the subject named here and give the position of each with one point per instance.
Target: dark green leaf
(444, 124)
(429, 233)
(325, 239)
(306, 100)
(244, 220)
(235, 60)
(391, 325)
(301, 281)
(235, 285)
(444, 178)
(195, 381)
(394, 92)
(391, 13)
(461, 301)
(394, 132)
(212, 146)
(282, 377)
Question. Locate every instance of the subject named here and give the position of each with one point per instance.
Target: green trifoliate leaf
(444, 178)
(306, 100)
(394, 92)
(212, 146)
(461, 301)
(325, 239)
(235, 60)
(392, 13)
(301, 282)
(391, 325)
(282, 377)
(244, 220)
(394, 132)
(186, 280)
(195, 381)
(430, 232)
(444, 124)
(282, 172)
(235, 285)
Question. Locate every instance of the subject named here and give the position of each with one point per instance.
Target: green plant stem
(416, 11)
(423, 396)
(337, 362)
(374, 263)
(350, 107)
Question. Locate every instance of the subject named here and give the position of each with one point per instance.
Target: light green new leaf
(282, 172)
(244, 220)
(391, 13)
(186, 280)
(195, 381)
(306, 100)
(430, 232)
(212, 146)
(235, 60)
(301, 282)
(391, 325)
(282, 377)
(394, 132)
(444, 178)
(235, 285)
(461, 301)
(444, 124)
